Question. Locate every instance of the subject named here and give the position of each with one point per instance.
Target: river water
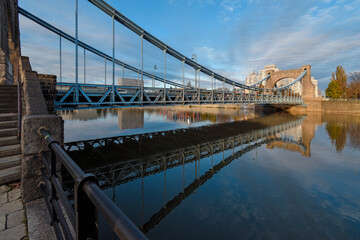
(189, 173)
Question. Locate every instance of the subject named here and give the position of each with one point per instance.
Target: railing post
(86, 215)
(53, 190)
(49, 185)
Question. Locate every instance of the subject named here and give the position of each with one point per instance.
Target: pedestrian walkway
(12, 214)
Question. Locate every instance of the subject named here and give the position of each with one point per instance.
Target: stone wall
(48, 86)
(36, 116)
(329, 106)
(9, 42)
(341, 106)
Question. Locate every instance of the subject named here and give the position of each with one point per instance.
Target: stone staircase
(10, 150)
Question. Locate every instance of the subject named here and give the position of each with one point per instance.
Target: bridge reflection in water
(123, 159)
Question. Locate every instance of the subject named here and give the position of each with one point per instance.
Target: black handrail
(19, 102)
(89, 199)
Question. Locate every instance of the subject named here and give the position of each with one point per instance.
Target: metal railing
(98, 96)
(19, 103)
(88, 202)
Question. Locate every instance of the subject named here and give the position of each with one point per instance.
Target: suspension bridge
(76, 95)
(39, 131)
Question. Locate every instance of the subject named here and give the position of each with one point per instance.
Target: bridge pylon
(308, 88)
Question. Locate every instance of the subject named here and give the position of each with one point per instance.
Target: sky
(231, 37)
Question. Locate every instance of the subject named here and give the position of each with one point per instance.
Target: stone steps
(8, 93)
(8, 109)
(8, 96)
(10, 174)
(11, 140)
(12, 88)
(8, 124)
(10, 150)
(8, 132)
(8, 116)
(10, 161)
(8, 100)
(8, 104)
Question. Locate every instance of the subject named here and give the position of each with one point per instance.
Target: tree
(353, 89)
(341, 78)
(333, 90)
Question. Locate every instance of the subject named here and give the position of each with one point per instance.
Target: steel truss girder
(97, 95)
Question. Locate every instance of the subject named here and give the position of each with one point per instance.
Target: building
(130, 82)
(255, 77)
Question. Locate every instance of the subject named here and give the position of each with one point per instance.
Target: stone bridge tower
(9, 42)
(308, 86)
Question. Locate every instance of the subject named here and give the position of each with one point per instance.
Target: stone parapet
(38, 90)
(48, 86)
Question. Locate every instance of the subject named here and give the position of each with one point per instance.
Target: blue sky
(232, 37)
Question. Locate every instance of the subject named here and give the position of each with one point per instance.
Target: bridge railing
(88, 202)
(98, 95)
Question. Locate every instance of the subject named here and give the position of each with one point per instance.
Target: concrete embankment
(327, 106)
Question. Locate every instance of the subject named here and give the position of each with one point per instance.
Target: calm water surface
(100, 123)
(293, 178)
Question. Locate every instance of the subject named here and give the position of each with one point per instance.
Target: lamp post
(153, 83)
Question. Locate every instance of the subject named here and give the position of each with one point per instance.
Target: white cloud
(315, 35)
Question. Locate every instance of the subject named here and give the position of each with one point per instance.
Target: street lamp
(155, 67)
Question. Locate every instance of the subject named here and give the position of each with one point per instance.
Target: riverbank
(314, 105)
(327, 106)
